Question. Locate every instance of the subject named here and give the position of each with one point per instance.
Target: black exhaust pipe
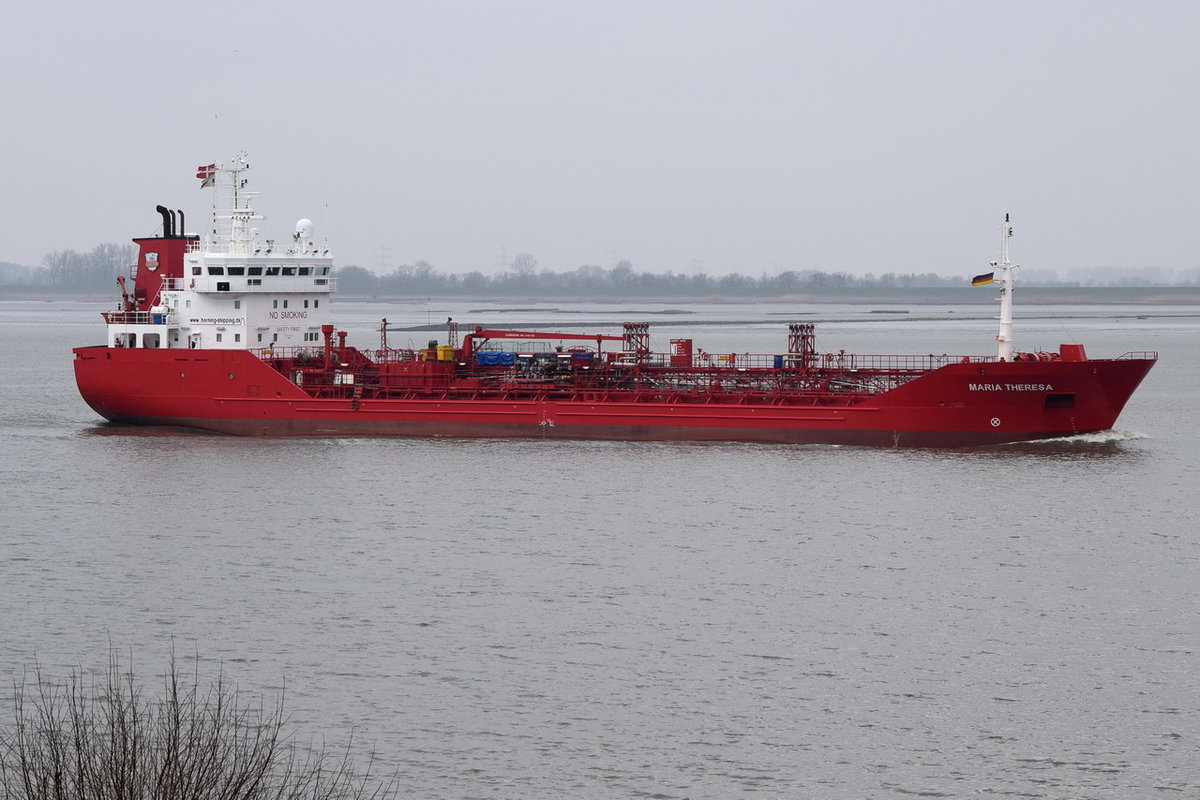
(168, 221)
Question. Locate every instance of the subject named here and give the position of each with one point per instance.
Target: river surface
(550, 619)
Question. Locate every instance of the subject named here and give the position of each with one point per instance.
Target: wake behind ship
(232, 334)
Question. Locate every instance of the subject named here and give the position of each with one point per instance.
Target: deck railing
(314, 352)
(705, 362)
(139, 318)
(896, 362)
(841, 361)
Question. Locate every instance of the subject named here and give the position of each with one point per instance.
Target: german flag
(983, 280)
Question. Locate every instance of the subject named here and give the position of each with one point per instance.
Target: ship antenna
(211, 183)
(1003, 276)
(238, 236)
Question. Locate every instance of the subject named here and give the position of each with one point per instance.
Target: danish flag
(207, 173)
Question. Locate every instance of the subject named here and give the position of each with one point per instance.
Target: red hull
(957, 405)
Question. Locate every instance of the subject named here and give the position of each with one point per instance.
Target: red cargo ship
(231, 335)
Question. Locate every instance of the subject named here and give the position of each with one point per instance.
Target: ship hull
(957, 405)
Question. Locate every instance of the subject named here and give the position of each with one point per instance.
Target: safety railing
(895, 362)
(295, 353)
(839, 361)
(138, 318)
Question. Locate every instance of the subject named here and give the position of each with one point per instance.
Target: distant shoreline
(1027, 295)
(967, 295)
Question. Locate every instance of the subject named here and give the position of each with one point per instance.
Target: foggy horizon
(684, 137)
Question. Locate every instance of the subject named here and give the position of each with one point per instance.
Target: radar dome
(304, 228)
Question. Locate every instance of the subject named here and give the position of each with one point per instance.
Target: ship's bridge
(231, 300)
(267, 274)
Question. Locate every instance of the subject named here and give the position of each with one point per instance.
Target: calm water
(538, 619)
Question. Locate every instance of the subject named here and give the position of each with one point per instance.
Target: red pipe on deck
(327, 331)
(468, 348)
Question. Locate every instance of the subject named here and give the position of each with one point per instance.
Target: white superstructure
(227, 289)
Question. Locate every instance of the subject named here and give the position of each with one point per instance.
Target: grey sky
(712, 136)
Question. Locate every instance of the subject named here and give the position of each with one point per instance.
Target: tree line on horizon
(72, 270)
(423, 278)
(68, 270)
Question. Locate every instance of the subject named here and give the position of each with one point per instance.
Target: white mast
(236, 237)
(1002, 274)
